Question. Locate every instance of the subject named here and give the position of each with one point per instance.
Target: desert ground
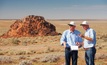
(46, 50)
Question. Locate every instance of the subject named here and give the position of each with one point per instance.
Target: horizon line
(65, 19)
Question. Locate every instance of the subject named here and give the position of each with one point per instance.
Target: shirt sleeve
(79, 38)
(63, 38)
(92, 34)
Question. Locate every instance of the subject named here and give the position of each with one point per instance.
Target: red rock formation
(31, 26)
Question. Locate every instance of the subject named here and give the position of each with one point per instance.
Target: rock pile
(31, 26)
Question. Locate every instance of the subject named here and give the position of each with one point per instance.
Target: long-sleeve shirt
(92, 34)
(71, 38)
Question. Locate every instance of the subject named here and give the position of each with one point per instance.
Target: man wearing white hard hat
(89, 43)
(71, 40)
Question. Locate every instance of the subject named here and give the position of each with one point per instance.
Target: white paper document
(74, 47)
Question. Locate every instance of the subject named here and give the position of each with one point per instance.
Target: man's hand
(86, 37)
(64, 43)
(79, 44)
(81, 35)
(86, 49)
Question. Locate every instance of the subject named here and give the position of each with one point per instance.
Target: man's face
(85, 27)
(72, 28)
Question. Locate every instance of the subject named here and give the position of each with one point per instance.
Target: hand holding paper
(74, 47)
(79, 44)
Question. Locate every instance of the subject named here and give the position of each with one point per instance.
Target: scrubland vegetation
(46, 50)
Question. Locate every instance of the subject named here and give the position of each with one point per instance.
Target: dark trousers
(69, 54)
(90, 55)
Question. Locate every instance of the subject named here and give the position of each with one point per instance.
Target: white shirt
(92, 34)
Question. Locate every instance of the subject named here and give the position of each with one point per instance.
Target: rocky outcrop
(31, 26)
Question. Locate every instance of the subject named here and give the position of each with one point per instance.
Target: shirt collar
(87, 29)
(71, 32)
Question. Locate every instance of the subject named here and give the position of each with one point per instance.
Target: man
(89, 43)
(71, 40)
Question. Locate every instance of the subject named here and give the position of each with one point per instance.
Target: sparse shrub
(5, 59)
(33, 51)
(26, 40)
(13, 52)
(20, 52)
(1, 53)
(15, 41)
(102, 36)
(35, 59)
(30, 52)
(101, 56)
(22, 57)
(25, 62)
(99, 47)
(4, 41)
(24, 43)
(49, 50)
(105, 39)
(50, 58)
(33, 41)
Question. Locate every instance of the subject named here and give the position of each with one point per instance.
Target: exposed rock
(31, 26)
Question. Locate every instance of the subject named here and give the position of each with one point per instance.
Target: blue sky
(54, 9)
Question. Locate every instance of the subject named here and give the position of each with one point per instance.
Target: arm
(91, 35)
(63, 39)
(80, 42)
(86, 37)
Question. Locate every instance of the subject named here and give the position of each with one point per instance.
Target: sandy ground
(39, 47)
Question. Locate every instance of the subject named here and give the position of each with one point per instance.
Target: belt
(88, 48)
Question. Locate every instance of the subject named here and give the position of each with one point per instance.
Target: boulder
(31, 26)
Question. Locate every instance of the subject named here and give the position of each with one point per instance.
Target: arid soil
(46, 50)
